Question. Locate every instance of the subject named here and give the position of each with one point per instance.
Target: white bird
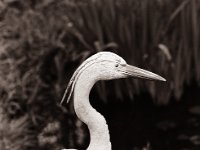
(101, 66)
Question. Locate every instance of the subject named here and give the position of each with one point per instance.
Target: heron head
(108, 66)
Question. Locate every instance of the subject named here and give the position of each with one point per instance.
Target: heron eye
(117, 65)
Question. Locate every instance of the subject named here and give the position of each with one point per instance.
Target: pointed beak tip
(163, 79)
(159, 78)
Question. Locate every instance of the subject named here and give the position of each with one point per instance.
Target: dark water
(140, 125)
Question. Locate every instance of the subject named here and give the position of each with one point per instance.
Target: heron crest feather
(70, 87)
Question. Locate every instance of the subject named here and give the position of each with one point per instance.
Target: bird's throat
(98, 128)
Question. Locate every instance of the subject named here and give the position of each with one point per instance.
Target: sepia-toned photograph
(99, 74)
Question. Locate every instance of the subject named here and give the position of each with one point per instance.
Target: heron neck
(98, 128)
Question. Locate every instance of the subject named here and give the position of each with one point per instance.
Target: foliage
(159, 35)
(32, 68)
(42, 42)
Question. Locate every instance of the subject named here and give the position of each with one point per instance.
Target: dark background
(42, 42)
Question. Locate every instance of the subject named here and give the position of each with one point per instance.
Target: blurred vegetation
(43, 41)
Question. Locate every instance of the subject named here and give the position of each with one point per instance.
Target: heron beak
(136, 72)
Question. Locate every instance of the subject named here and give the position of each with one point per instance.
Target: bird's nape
(70, 87)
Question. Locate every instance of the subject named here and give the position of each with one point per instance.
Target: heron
(100, 66)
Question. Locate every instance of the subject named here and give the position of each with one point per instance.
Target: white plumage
(101, 66)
